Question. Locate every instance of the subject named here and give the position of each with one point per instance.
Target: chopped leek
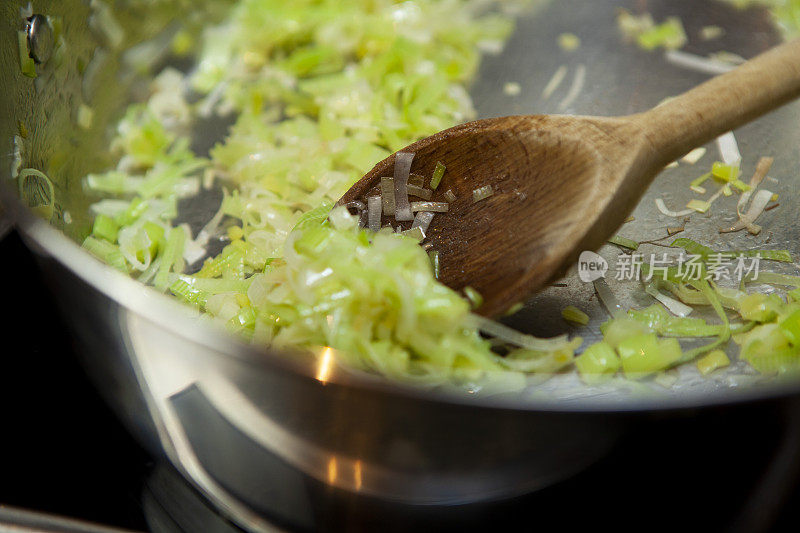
(419, 192)
(26, 64)
(473, 296)
(569, 42)
(387, 196)
(699, 205)
(105, 227)
(319, 99)
(402, 169)
(434, 207)
(645, 354)
(597, 360)
(573, 314)
(435, 265)
(624, 242)
(107, 252)
(712, 361)
(649, 36)
(438, 174)
(481, 193)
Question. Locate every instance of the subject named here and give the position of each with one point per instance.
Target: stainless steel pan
(256, 431)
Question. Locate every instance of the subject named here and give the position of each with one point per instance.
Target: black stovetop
(62, 451)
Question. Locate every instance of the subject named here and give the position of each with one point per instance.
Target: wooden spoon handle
(722, 103)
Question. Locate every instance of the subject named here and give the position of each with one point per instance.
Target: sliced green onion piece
(402, 169)
(423, 220)
(669, 35)
(729, 149)
(85, 116)
(218, 285)
(775, 278)
(607, 297)
(694, 156)
(569, 42)
(419, 192)
(575, 89)
(642, 355)
(666, 379)
(790, 326)
(26, 63)
(700, 206)
(415, 233)
(596, 361)
(624, 242)
(554, 82)
(387, 196)
(107, 252)
(696, 248)
(314, 217)
(573, 314)
(434, 207)
(374, 205)
(725, 333)
(433, 255)
(438, 174)
(171, 257)
(699, 181)
(724, 172)
(416, 180)
(512, 336)
(747, 219)
(711, 361)
(656, 318)
(675, 307)
(783, 256)
(662, 207)
(481, 193)
(185, 290)
(618, 329)
(105, 227)
(473, 296)
(449, 196)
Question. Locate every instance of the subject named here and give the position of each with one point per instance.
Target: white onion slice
(762, 168)
(419, 192)
(670, 213)
(575, 89)
(694, 156)
(674, 306)
(437, 207)
(697, 63)
(747, 220)
(481, 193)
(607, 297)
(387, 196)
(512, 336)
(402, 168)
(728, 149)
(554, 82)
(415, 233)
(422, 220)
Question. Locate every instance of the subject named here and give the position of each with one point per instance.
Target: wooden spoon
(564, 184)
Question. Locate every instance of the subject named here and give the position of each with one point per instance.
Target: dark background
(62, 450)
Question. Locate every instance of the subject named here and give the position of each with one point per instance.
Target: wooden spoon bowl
(564, 184)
